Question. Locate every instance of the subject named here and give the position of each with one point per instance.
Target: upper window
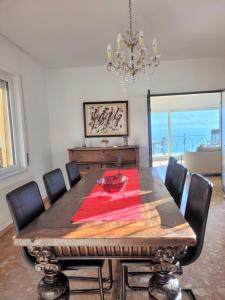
(12, 139)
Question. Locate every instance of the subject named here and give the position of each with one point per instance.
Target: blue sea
(189, 130)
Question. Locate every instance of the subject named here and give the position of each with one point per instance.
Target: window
(160, 133)
(180, 131)
(12, 139)
(7, 158)
(191, 129)
(184, 122)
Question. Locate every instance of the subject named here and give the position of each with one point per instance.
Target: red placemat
(121, 206)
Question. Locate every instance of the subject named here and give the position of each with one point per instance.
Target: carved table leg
(54, 285)
(163, 285)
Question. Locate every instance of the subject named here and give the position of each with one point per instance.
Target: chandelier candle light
(130, 60)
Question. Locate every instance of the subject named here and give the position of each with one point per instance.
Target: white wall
(186, 102)
(16, 62)
(68, 88)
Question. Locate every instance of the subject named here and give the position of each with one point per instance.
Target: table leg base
(164, 286)
(53, 286)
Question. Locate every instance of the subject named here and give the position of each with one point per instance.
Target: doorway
(182, 123)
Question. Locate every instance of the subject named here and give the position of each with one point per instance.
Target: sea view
(189, 130)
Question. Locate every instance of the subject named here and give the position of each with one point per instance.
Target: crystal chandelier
(131, 58)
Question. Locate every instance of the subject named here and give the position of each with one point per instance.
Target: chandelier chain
(130, 19)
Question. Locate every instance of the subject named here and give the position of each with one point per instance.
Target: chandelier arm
(131, 70)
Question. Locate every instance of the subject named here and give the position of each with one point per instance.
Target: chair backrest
(55, 185)
(169, 172)
(177, 184)
(25, 204)
(196, 214)
(73, 173)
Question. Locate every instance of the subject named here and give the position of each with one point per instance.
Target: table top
(161, 223)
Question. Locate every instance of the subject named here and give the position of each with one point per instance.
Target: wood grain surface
(161, 224)
(92, 158)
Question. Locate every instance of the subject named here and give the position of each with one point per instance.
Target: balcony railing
(178, 144)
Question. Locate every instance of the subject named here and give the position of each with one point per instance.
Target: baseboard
(46, 202)
(6, 229)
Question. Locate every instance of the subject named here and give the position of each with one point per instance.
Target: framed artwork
(105, 118)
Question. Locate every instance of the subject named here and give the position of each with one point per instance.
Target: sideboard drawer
(90, 158)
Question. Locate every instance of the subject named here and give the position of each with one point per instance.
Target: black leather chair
(55, 185)
(177, 184)
(73, 173)
(25, 204)
(196, 214)
(169, 172)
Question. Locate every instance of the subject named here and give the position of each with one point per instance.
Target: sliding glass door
(184, 123)
(160, 134)
(191, 129)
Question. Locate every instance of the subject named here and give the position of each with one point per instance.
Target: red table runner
(121, 206)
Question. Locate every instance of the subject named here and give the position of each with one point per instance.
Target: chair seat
(73, 264)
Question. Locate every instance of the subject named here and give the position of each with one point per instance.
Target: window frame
(17, 123)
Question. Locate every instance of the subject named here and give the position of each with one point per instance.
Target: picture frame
(105, 119)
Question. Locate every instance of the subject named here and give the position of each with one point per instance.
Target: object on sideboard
(84, 144)
(104, 143)
(125, 140)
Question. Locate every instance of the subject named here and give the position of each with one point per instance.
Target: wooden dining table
(152, 228)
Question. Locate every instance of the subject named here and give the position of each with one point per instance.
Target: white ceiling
(66, 33)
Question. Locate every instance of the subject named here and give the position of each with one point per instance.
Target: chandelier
(131, 57)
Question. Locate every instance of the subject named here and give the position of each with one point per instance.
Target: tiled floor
(206, 276)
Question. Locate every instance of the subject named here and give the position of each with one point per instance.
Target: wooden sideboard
(91, 158)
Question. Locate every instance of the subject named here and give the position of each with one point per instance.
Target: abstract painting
(106, 118)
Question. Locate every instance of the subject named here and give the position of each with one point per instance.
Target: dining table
(139, 222)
